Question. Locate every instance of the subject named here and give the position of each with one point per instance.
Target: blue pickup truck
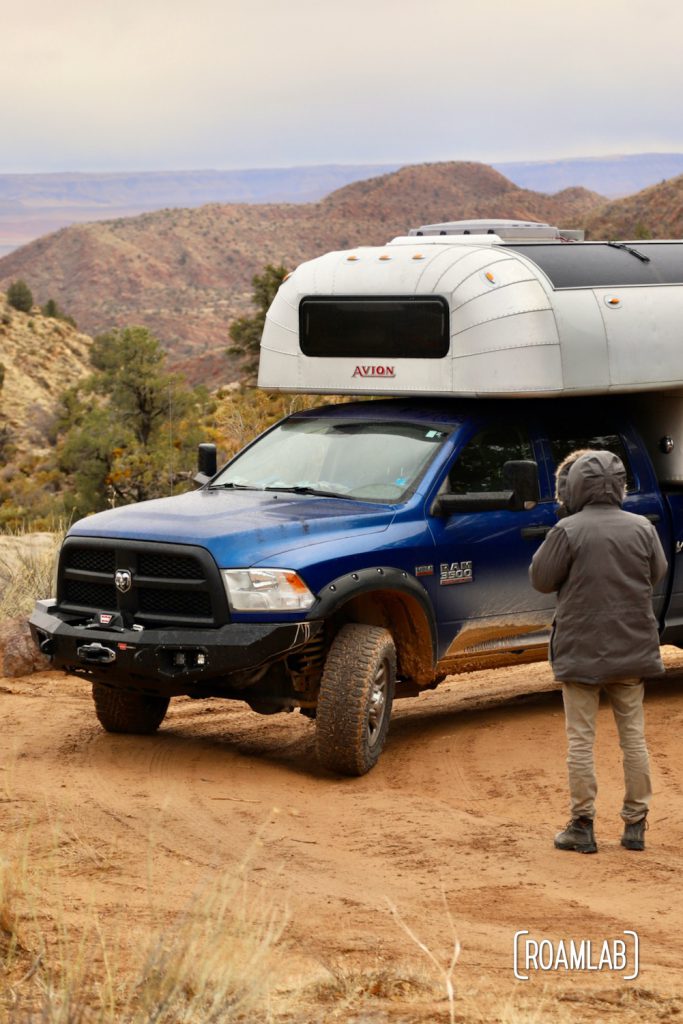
(351, 555)
(361, 552)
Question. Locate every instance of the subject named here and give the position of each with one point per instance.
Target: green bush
(20, 296)
(53, 310)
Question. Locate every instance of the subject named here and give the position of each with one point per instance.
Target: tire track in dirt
(464, 802)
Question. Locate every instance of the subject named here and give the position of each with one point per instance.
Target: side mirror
(480, 501)
(521, 476)
(207, 463)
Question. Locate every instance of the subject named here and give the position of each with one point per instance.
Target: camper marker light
(266, 590)
(490, 277)
(352, 259)
(385, 256)
(418, 256)
(612, 301)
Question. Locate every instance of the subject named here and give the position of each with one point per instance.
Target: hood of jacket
(597, 478)
(561, 478)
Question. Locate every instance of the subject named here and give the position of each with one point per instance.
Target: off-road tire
(359, 673)
(126, 712)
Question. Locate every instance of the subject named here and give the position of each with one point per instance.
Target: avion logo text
(374, 371)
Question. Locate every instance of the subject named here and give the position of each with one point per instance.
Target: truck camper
(448, 312)
(358, 553)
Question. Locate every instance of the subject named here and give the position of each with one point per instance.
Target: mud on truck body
(358, 553)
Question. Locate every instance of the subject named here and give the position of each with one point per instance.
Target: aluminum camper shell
(523, 318)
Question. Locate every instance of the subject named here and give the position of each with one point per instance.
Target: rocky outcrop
(20, 656)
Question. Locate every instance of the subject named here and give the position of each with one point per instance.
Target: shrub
(20, 296)
(53, 309)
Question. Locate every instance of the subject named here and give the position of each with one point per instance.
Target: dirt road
(463, 804)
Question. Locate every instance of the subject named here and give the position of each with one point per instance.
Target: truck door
(484, 594)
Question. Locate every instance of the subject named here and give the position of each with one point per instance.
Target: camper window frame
(415, 348)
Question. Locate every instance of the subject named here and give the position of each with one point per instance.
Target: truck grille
(170, 584)
(99, 596)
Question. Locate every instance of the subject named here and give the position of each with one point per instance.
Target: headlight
(266, 590)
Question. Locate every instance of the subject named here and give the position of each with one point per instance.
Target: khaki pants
(581, 708)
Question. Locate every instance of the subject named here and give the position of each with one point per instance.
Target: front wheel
(356, 695)
(127, 712)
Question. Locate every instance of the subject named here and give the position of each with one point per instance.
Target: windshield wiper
(628, 248)
(237, 487)
(309, 490)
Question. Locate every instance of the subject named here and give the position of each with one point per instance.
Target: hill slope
(655, 212)
(42, 356)
(35, 204)
(186, 273)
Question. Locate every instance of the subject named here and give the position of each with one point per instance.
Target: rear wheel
(126, 712)
(356, 695)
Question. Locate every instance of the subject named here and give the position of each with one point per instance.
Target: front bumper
(171, 660)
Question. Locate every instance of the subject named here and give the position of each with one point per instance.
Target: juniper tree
(246, 331)
(20, 296)
(130, 431)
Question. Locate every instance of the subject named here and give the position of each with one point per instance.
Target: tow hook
(95, 652)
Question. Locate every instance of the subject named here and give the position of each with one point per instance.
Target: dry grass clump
(26, 570)
(443, 970)
(9, 937)
(213, 964)
(349, 985)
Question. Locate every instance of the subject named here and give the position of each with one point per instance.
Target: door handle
(535, 531)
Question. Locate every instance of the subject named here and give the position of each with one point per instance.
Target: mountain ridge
(35, 204)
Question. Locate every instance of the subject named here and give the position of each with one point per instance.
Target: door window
(562, 444)
(479, 467)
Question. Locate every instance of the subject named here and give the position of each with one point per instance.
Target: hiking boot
(578, 836)
(634, 834)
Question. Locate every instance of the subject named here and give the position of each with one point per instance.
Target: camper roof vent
(507, 230)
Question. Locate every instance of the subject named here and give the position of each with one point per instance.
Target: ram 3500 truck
(357, 553)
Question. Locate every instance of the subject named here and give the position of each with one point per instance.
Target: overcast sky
(178, 84)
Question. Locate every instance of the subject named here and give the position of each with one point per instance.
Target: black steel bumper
(170, 660)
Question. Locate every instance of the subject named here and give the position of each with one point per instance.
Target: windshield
(368, 461)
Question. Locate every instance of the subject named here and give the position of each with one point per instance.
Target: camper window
(375, 327)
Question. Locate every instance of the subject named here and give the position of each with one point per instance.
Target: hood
(561, 475)
(597, 478)
(239, 528)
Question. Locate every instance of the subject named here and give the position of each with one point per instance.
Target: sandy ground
(463, 805)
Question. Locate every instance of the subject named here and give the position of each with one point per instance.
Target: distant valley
(614, 177)
(32, 205)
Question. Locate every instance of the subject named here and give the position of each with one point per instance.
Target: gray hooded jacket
(603, 563)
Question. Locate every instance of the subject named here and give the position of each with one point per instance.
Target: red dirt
(464, 802)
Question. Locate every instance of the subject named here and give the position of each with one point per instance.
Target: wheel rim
(378, 703)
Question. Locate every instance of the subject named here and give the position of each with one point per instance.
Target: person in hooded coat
(603, 562)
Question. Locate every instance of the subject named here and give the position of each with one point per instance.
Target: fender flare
(376, 578)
